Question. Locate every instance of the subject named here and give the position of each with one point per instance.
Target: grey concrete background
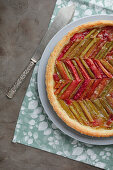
(22, 25)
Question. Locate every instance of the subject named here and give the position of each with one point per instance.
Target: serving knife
(64, 17)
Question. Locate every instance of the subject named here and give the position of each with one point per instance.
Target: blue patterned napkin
(35, 129)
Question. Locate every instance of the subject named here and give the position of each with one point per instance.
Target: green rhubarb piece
(110, 46)
(110, 100)
(80, 111)
(107, 88)
(95, 33)
(107, 65)
(101, 51)
(60, 88)
(100, 107)
(106, 105)
(62, 91)
(86, 111)
(77, 68)
(111, 61)
(91, 49)
(105, 50)
(88, 47)
(104, 69)
(87, 68)
(92, 106)
(66, 108)
(91, 32)
(76, 114)
(72, 54)
(66, 70)
(61, 69)
(92, 112)
(58, 72)
(70, 74)
(76, 89)
(83, 47)
(70, 50)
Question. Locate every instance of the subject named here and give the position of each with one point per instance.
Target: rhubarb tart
(79, 79)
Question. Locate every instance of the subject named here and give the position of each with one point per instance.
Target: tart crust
(87, 130)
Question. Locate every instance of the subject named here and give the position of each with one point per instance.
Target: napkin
(35, 129)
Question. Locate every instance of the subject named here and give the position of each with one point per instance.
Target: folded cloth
(35, 129)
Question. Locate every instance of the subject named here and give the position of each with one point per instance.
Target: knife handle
(20, 80)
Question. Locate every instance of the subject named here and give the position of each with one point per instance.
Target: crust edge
(49, 83)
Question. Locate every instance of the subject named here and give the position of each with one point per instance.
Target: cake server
(63, 18)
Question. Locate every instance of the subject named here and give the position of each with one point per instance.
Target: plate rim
(89, 139)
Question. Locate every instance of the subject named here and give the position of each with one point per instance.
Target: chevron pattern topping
(83, 77)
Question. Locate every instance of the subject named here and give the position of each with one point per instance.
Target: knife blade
(63, 18)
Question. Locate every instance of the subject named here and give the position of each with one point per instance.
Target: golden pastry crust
(87, 130)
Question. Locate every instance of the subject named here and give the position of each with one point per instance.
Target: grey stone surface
(22, 25)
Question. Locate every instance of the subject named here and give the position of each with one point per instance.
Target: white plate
(42, 88)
